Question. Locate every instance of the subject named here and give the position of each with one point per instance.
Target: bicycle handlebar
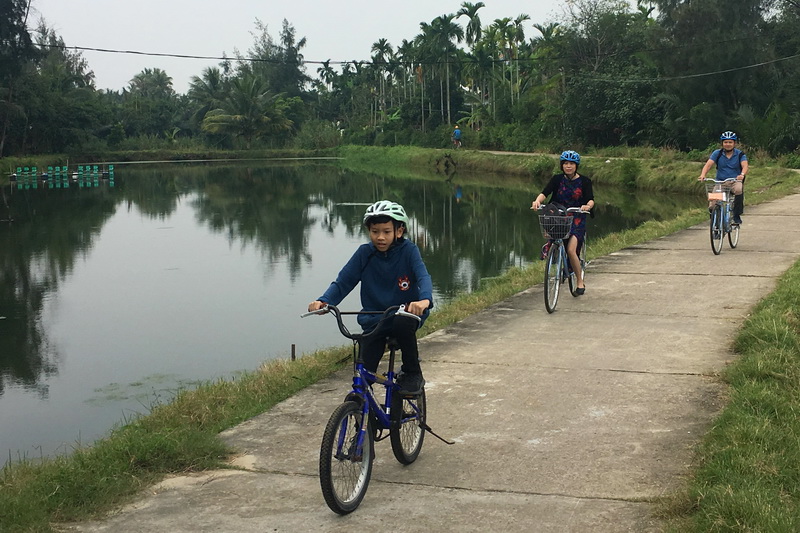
(719, 181)
(330, 308)
(569, 210)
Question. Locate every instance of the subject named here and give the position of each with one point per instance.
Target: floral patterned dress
(570, 194)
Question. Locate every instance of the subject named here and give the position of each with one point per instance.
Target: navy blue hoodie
(397, 276)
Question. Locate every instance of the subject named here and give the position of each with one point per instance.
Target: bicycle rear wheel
(733, 236)
(552, 276)
(343, 472)
(408, 427)
(716, 230)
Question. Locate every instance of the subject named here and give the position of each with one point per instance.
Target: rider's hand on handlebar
(316, 305)
(535, 205)
(417, 308)
(701, 178)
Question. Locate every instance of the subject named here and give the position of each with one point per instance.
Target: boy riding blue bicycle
(391, 272)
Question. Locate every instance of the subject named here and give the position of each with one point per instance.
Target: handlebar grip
(320, 311)
(402, 312)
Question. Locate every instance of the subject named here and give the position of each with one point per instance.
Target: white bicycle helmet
(386, 208)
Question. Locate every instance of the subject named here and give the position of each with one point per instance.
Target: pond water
(115, 295)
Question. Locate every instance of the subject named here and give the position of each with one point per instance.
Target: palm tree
(206, 93)
(406, 55)
(517, 40)
(544, 47)
(250, 111)
(477, 70)
(441, 33)
(152, 83)
(490, 46)
(503, 32)
(470, 10)
(383, 52)
(326, 73)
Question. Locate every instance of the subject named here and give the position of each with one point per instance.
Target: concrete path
(571, 422)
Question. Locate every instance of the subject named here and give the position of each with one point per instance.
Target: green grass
(747, 468)
(747, 476)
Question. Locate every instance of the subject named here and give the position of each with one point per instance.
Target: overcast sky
(339, 31)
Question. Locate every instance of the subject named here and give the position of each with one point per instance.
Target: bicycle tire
(552, 277)
(716, 230)
(573, 280)
(733, 236)
(408, 427)
(344, 478)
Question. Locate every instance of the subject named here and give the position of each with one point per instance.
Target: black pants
(738, 204)
(404, 330)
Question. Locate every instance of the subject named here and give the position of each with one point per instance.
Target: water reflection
(185, 273)
(42, 234)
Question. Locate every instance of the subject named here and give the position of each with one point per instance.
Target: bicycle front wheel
(344, 472)
(552, 276)
(408, 427)
(733, 235)
(716, 230)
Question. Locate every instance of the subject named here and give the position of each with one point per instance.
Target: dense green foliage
(667, 73)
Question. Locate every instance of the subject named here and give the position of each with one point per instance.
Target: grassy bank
(662, 175)
(747, 476)
(182, 435)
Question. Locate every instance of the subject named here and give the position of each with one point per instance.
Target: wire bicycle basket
(719, 190)
(555, 226)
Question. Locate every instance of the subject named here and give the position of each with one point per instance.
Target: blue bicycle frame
(362, 378)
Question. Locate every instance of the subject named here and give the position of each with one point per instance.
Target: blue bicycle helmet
(572, 156)
(728, 135)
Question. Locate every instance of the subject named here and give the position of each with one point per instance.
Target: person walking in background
(731, 163)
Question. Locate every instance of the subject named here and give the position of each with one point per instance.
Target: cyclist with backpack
(731, 163)
(570, 189)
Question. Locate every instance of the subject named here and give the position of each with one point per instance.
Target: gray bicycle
(556, 228)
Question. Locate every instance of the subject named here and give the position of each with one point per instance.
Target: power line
(701, 75)
(276, 61)
(179, 56)
(342, 62)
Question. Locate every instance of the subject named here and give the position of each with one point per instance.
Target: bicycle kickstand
(427, 428)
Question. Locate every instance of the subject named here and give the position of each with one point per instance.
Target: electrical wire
(277, 61)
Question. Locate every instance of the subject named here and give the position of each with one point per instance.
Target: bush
(362, 137)
(542, 167)
(792, 160)
(629, 171)
(317, 134)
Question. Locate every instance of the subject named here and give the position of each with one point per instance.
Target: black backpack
(720, 155)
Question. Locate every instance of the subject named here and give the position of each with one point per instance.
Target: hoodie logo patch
(403, 283)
